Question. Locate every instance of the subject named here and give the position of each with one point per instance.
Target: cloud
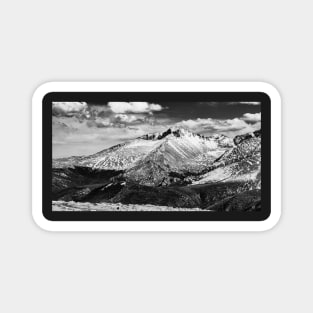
(127, 118)
(120, 120)
(98, 123)
(113, 114)
(132, 119)
(85, 130)
(68, 108)
(252, 118)
(245, 102)
(214, 124)
(251, 102)
(101, 111)
(231, 127)
(91, 136)
(134, 107)
(216, 103)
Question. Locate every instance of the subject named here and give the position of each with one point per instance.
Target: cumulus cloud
(252, 118)
(92, 136)
(245, 102)
(98, 123)
(214, 124)
(113, 114)
(101, 111)
(68, 108)
(134, 107)
(216, 103)
(119, 120)
(251, 102)
(231, 127)
(79, 128)
(132, 119)
(127, 118)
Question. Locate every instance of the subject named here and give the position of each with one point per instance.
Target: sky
(81, 128)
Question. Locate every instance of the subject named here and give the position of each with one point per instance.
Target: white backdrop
(164, 40)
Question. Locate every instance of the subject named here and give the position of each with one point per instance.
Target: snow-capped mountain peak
(174, 148)
(174, 131)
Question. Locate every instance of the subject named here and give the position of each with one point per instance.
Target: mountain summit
(175, 168)
(182, 132)
(174, 148)
(175, 131)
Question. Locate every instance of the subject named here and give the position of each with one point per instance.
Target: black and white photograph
(156, 156)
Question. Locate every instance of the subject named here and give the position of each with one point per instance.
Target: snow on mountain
(238, 139)
(172, 149)
(174, 169)
(215, 140)
(122, 157)
(119, 157)
(181, 152)
(241, 163)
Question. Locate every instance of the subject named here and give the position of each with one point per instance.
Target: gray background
(162, 40)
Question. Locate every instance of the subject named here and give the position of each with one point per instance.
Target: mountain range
(176, 168)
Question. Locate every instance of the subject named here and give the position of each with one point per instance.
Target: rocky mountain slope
(240, 163)
(179, 145)
(176, 168)
(150, 159)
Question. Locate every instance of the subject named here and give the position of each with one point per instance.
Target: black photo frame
(155, 97)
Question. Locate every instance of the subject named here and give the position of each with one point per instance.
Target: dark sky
(193, 110)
